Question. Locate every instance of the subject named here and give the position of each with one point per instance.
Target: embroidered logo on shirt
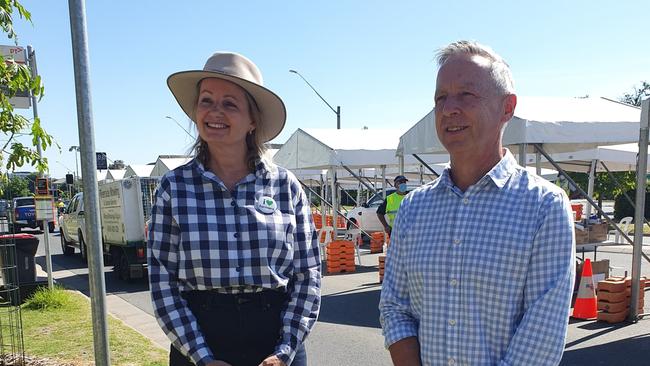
(266, 205)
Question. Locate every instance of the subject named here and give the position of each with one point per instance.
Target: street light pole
(179, 125)
(76, 164)
(338, 108)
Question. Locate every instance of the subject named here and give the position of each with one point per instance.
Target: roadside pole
(31, 59)
(641, 169)
(77, 10)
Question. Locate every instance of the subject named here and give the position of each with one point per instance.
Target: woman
(234, 265)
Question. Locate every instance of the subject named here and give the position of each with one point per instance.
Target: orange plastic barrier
(340, 257)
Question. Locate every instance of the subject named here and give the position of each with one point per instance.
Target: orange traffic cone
(586, 306)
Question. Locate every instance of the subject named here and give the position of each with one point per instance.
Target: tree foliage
(15, 78)
(637, 94)
(17, 187)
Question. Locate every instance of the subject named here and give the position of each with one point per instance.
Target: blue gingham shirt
(203, 236)
(485, 276)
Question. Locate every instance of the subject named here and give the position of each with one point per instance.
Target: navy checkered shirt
(204, 237)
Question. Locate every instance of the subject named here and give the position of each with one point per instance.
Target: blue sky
(373, 58)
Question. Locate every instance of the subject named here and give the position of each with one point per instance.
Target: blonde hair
(255, 148)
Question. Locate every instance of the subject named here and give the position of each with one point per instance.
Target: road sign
(102, 164)
(22, 100)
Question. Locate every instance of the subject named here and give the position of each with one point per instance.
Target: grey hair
(255, 148)
(499, 68)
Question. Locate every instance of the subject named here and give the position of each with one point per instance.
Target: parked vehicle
(365, 216)
(124, 206)
(24, 215)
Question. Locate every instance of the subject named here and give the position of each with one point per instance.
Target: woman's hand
(219, 363)
(272, 361)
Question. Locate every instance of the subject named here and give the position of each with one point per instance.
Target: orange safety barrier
(382, 262)
(614, 298)
(340, 257)
(377, 242)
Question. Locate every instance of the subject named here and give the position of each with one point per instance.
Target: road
(348, 330)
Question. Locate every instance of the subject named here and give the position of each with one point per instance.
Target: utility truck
(125, 206)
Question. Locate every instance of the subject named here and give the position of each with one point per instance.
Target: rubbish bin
(25, 246)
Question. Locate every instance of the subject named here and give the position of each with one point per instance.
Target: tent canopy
(165, 163)
(616, 157)
(139, 170)
(354, 148)
(560, 124)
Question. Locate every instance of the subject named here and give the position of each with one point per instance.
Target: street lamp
(338, 108)
(76, 164)
(179, 125)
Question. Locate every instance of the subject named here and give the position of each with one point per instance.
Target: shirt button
(452, 322)
(465, 200)
(238, 269)
(236, 235)
(232, 203)
(456, 241)
(453, 282)
(451, 362)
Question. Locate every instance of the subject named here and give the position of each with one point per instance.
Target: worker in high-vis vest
(391, 204)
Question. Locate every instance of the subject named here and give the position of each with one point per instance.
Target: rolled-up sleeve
(396, 318)
(171, 310)
(304, 286)
(539, 339)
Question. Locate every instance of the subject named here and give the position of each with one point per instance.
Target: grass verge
(57, 324)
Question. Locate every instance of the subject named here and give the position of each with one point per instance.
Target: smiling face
(469, 110)
(223, 113)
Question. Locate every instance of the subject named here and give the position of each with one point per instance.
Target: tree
(117, 164)
(17, 187)
(637, 94)
(14, 78)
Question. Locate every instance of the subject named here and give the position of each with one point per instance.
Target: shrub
(45, 299)
(623, 208)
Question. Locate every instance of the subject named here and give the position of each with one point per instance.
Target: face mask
(402, 187)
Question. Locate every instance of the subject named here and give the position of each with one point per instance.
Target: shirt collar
(262, 168)
(499, 174)
(503, 170)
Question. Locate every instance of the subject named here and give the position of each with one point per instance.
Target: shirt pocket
(275, 233)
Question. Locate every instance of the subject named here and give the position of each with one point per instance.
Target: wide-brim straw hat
(241, 71)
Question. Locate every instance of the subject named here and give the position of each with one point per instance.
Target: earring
(250, 132)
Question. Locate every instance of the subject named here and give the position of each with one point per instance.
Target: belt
(210, 298)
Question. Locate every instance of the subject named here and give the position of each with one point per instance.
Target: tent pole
(425, 164)
(584, 194)
(383, 180)
(639, 213)
(522, 154)
(400, 160)
(335, 202)
(538, 163)
(590, 185)
(359, 179)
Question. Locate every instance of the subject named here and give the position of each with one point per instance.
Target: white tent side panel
(302, 151)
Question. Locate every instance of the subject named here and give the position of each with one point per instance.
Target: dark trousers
(240, 329)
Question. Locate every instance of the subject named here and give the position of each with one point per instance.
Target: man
(480, 269)
(391, 204)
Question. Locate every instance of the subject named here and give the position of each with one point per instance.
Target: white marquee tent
(139, 170)
(559, 124)
(165, 163)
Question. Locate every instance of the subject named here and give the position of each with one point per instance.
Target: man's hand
(219, 363)
(272, 361)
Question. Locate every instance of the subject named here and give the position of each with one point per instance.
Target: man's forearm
(382, 219)
(405, 352)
